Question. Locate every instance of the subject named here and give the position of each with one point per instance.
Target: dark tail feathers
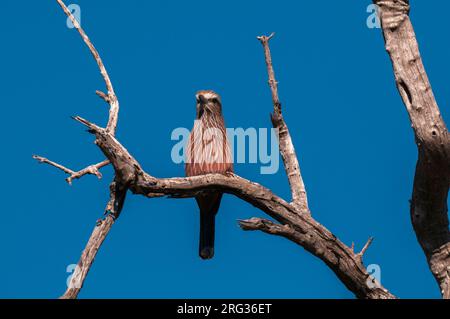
(207, 230)
(209, 206)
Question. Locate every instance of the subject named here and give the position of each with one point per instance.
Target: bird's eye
(215, 100)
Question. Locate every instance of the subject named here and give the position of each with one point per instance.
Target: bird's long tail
(209, 206)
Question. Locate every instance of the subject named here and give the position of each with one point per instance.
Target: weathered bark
(287, 149)
(112, 212)
(110, 97)
(429, 211)
(117, 190)
(297, 226)
(316, 239)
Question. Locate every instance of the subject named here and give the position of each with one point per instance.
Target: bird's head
(208, 102)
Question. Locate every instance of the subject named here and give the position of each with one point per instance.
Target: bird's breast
(208, 150)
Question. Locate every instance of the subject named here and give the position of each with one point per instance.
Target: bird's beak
(202, 100)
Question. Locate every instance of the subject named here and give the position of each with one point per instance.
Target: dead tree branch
(110, 97)
(90, 170)
(295, 221)
(43, 160)
(364, 249)
(113, 208)
(429, 211)
(117, 190)
(296, 226)
(287, 149)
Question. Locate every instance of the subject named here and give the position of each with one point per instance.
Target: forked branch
(90, 170)
(306, 232)
(295, 221)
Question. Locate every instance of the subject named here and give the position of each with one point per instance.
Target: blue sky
(350, 129)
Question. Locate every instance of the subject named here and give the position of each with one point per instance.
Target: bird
(208, 152)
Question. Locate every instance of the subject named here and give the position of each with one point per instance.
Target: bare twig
(43, 160)
(364, 249)
(103, 96)
(287, 149)
(111, 97)
(429, 211)
(90, 170)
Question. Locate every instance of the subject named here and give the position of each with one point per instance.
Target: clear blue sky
(350, 129)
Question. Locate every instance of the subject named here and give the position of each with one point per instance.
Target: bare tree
(293, 220)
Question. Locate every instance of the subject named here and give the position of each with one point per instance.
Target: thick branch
(90, 170)
(266, 226)
(287, 149)
(307, 232)
(101, 230)
(340, 258)
(429, 211)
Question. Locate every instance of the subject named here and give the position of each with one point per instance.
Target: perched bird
(208, 152)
